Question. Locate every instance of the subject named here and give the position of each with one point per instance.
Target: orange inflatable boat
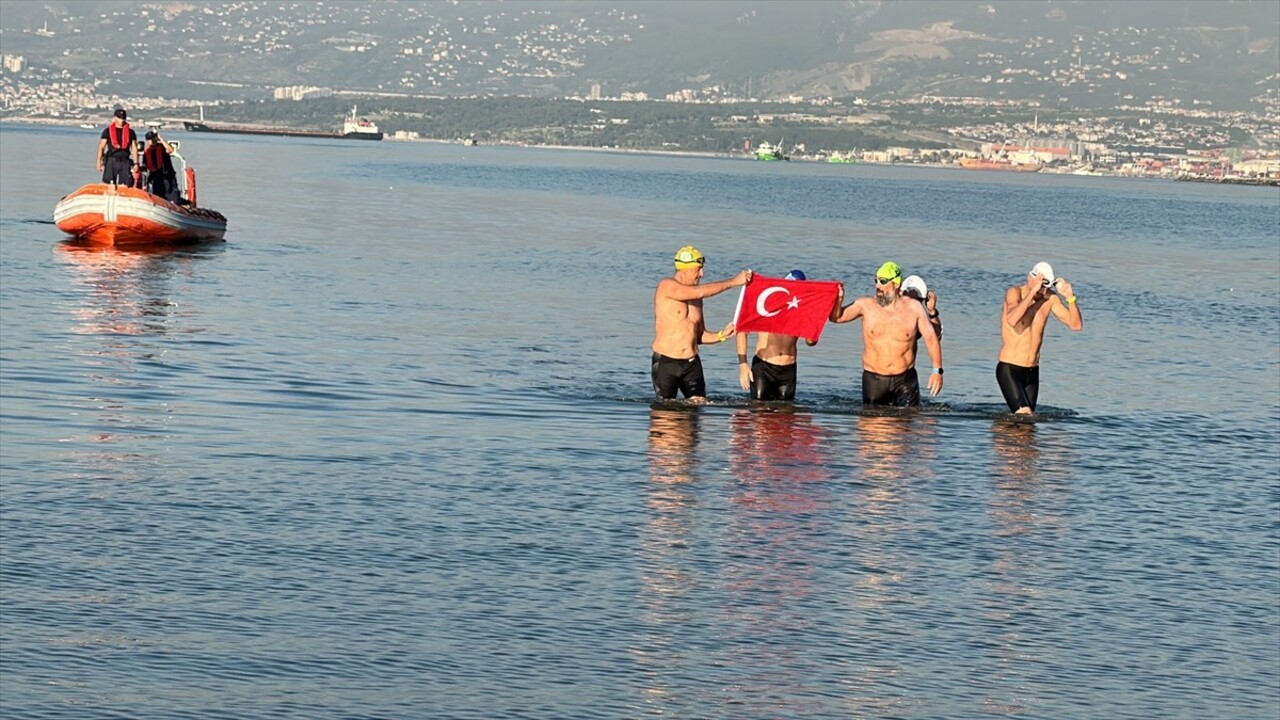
(110, 215)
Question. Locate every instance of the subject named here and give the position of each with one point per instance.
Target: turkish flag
(788, 307)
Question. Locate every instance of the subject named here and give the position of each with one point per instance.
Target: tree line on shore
(721, 128)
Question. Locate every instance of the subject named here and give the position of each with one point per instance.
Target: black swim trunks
(673, 374)
(772, 382)
(901, 390)
(1019, 385)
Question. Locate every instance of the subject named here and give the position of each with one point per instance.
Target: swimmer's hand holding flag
(799, 308)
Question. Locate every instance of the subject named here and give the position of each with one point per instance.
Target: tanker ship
(353, 128)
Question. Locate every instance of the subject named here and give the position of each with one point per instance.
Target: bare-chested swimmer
(679, 327)
(1026, 312)
(891, 325)
(770, 374)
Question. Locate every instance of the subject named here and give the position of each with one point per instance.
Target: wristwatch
(938, 370)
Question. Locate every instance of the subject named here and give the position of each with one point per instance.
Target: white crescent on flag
(765, 296)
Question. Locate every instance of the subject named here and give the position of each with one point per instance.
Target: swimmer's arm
(744, 367)
(935, 317)
(848, 313)
(1068, 313)
(706, 337)
(934, 345)
(1014, 309)
(676, 291)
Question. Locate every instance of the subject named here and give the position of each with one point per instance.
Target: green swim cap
(890, 271)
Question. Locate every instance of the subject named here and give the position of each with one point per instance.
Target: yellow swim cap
(688, 257)
(890, 271)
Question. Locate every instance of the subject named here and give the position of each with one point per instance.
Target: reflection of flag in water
(787, 307)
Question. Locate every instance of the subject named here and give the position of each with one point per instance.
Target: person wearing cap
(118, 151)
(915, 287)
(890, 328)
(162, 180)
(1026, 313)
(771, 373)
(679, 326)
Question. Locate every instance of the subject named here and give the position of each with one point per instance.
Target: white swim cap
(914, 287)
(1045, 271)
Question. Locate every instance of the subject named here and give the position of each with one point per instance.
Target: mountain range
(1080, 53)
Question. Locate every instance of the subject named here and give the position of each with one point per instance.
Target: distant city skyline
(1221, 54)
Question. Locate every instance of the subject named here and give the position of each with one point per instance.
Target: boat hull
(109, 215)
(277, 132)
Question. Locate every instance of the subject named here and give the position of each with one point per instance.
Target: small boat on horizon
(768, 151)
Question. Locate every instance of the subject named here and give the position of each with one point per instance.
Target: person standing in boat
(161, 178)
(118, 151)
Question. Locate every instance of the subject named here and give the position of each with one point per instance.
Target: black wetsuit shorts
(901, 390)
(1019, 385)
(772, 382)
(673, 374)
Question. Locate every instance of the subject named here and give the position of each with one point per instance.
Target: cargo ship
(1008, 165)
(353, 128)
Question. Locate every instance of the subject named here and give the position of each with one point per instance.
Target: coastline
(390, 137)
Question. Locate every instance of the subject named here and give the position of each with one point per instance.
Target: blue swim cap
(795, 275)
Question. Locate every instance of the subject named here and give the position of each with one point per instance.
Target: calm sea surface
(389, 450)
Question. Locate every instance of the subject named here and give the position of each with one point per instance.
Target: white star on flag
(794, 303)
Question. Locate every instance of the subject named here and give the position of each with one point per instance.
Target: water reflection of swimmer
(673, 437)
(886, 442)
(668, 556)
(780, 534)
(777, 443)
(1026, 509)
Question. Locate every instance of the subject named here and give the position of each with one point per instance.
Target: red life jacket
(155, 157)
(121, 142)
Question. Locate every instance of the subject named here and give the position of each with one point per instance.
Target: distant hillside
(1070, 53)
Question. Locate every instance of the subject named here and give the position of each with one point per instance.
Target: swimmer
(914, 287)
(679, 326)
(890, 328)
(771, 374)
(1026, 312)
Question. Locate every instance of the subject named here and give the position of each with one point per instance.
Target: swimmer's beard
(884, 300)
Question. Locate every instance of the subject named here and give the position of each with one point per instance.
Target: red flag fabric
(788, 307)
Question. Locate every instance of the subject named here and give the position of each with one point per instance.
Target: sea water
(390, 450)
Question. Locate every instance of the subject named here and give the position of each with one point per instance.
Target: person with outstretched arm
(890, 327)
(679, 326)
